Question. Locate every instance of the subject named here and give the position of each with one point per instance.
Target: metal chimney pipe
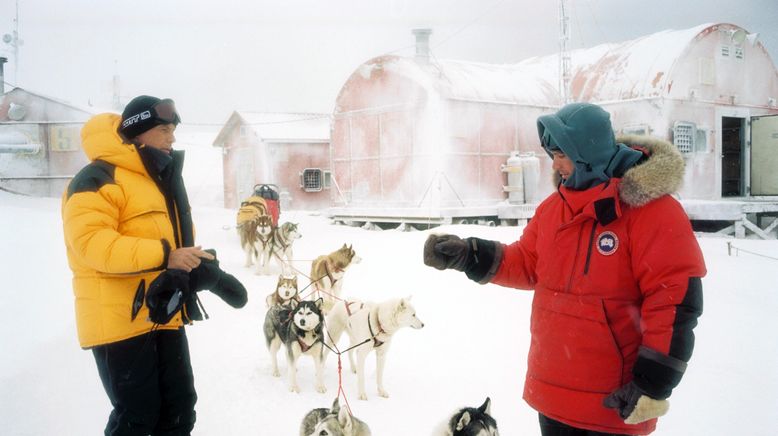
(2, 75)
(422, 45)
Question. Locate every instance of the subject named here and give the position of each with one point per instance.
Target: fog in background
(294, 55)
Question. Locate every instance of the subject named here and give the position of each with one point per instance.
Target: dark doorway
(732, 177)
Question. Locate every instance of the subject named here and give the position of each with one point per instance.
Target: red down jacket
(610, 266)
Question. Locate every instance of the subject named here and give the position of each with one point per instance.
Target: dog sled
(269, 193)
(263, 201)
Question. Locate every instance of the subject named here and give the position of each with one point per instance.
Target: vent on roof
(684, 134)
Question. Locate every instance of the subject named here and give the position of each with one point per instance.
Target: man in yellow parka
(127, 219)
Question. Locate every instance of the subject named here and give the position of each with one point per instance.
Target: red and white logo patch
(607, 243)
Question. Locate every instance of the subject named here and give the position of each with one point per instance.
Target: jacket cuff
(486, 258)
(657, 374)
(165, 253)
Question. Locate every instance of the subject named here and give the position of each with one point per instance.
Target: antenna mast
(564, 55)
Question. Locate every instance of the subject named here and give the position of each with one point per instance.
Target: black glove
(634, 405)
(478, 258)
(447, 252)
(167, 294)
(209, 276)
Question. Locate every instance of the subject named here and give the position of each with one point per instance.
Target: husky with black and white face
(298, 326)
(469, 421)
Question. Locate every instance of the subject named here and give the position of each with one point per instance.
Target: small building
(40, 143)
(288, 150)
(422, 140)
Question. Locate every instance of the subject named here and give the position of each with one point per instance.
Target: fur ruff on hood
(660, 174)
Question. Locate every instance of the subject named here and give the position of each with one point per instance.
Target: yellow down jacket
(119, 231)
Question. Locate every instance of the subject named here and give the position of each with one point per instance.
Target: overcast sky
(213, 57)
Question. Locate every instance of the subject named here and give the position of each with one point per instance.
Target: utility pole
(564, 55)
(14, 41)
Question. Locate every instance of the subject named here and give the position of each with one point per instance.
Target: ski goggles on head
(548, 142)
(165, 112)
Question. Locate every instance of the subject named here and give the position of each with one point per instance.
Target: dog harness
(305, 347)
(374, 336)
(329, 274)
(348, 306)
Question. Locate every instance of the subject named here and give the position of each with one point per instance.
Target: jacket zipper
(575, 261)
(589, 250)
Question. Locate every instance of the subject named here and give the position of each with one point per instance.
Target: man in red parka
(616, 272)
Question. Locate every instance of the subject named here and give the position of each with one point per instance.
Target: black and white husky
(298, 326)
(374, 324)
(336, 421)
(469, 421)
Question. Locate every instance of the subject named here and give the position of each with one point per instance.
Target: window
(244, 131)
(684, 134)
(725, 51)
(701, 141)
(327, 179)
(739, 54)
(311, 180)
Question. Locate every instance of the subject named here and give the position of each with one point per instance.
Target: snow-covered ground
(474, 343)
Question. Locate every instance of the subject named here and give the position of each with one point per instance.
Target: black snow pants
(550, 427)
(149, 381)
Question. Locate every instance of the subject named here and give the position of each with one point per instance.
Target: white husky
(374, 324)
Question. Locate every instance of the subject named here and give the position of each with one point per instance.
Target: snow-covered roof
(280, 126)
(85, 110)
(637, 68)
(470, 80)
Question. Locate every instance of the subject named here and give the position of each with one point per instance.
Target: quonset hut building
(416, 140)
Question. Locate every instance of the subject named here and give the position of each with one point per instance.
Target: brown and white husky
(286, 290)
(327, 273)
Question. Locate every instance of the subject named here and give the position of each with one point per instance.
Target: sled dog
(374, 324)
(332, 422)
(298, 326)
(327, 272)
(283, 238)
(286, 290)
(263, 244)
(469, 421)
(248, 216)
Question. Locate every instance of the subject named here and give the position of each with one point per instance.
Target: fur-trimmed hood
(660, 174)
